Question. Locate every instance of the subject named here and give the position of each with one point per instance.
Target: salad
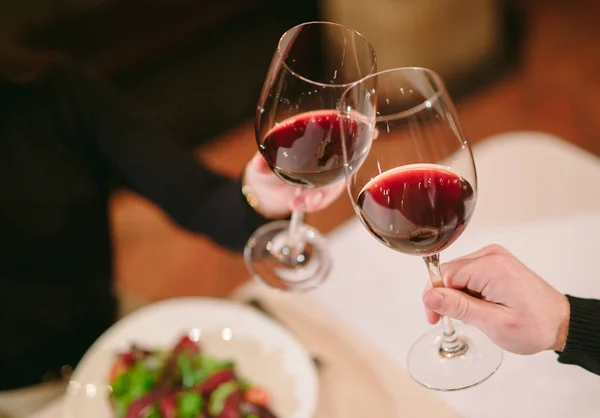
(183, 382)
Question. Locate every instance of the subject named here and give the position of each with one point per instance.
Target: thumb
(458, 305)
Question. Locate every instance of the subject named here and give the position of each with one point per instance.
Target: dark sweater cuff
(583, 340)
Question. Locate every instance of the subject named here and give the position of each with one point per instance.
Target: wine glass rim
(427, 101)
(281, 55)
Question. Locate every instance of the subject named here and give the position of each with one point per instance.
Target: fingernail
(434, 299)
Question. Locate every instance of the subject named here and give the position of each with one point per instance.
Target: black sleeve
(583, 341)
(158, 166)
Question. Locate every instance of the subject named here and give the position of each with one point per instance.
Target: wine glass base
(434, 371)
(271, 259)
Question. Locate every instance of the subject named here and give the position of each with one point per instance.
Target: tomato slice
(119, 367)
(186, 345)
(168, 406)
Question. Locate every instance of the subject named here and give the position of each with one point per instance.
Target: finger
(466, 272)
(431, 316)
(450, 270)
(330, 194)
(258, 164)
(458, 305)
(316, 200)
(308, 201)
(427, 287)
(488, 249)
(473, 275)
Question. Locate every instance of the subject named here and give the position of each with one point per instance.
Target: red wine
(417, 209)
(307, 150)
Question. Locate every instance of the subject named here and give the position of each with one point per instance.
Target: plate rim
(191, 301)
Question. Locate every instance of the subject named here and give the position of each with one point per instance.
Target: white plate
(264, 352)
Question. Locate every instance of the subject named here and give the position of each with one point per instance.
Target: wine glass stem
(296, 222)
(452, 345)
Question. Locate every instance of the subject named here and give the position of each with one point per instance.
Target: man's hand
(498, 294)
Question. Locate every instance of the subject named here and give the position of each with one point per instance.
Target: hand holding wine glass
(275, 199)
(299, 136)
(492, 289)
(415, 193)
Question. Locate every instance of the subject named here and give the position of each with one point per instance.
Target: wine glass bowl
(299, 134)
(415, 192)
(297, 123)
(418, 139)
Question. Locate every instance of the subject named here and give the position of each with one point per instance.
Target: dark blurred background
(198, 66)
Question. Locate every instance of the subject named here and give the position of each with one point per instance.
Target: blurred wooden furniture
(467, 42)
(448, 36)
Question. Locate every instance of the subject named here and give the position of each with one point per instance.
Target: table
(540, 197)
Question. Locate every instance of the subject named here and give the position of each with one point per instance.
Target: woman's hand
(276, 199)
(498, 294)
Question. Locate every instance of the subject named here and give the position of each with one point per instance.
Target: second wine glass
(299, 135)
(415, 193)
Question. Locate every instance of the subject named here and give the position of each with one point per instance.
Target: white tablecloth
(538, 196)
(541, 199)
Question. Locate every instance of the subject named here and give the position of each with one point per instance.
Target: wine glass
(415, 193)
(298, 134)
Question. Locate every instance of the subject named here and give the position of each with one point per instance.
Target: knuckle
(496, 249)
(449, 271)
(497, 259)
(508, 323)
